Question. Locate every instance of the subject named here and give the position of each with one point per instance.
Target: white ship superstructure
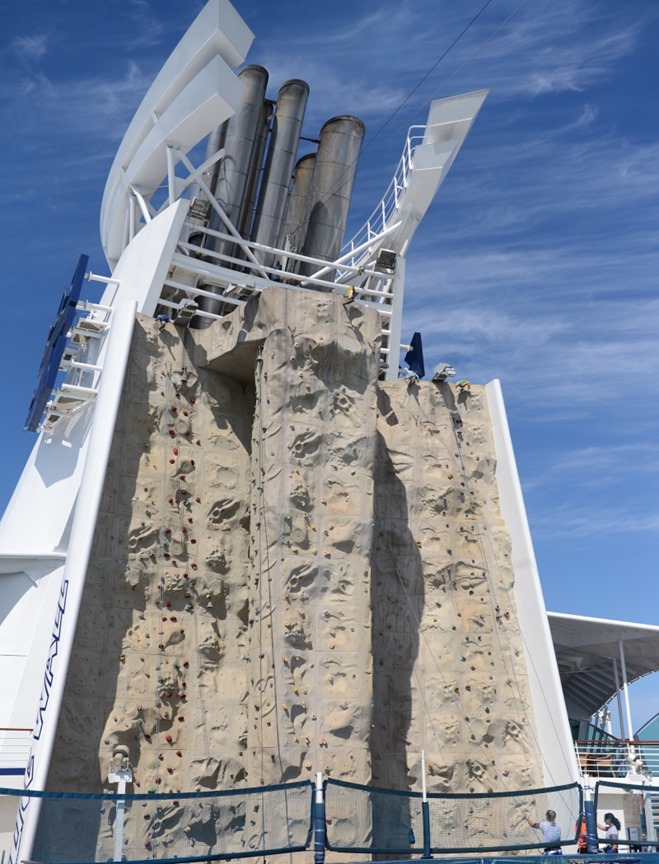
(194, 241)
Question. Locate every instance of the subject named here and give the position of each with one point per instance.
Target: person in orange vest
(582, 836)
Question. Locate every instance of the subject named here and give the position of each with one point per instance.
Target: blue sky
(537, 264)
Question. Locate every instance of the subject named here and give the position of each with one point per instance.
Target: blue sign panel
(55, 345)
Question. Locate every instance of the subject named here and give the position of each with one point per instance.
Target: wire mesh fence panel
(636, 807)
(367, 819)
(496, 821)
(191, 826)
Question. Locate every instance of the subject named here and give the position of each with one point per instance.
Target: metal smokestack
(334, 176)
(234, 170)
(232, 175)
(247, 215)
(297, 214)
(282, 150)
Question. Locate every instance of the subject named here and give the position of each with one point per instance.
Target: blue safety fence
(190, 826)
(77, 828)
(638, 834)
(381, 821)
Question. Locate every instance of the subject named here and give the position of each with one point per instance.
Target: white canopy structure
(598, 658)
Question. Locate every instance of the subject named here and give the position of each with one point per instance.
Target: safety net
(369, 819)
(190, 826)
(637, 803)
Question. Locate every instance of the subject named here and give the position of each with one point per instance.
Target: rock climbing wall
(159, 660)
(312, 453)
(449, 669)
(296, 569)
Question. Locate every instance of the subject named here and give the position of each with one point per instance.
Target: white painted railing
(618, 758)
(385, 210)
(14, 748)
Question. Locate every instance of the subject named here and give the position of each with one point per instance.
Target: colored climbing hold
(172, 433)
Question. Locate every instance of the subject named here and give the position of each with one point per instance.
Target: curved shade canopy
(586, 649)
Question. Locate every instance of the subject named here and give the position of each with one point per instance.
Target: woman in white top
(612, 828)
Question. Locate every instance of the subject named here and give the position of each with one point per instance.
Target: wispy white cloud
(30, 48)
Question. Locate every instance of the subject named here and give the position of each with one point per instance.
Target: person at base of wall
(581, 832)
(612, 828)
(551, 833)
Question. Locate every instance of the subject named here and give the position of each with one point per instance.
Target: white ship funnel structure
(334, 176)
(282, 151)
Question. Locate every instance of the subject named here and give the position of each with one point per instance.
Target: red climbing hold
(175, 450)
(172, 618)
(192, 462)
(185, 664)
(179, 754)
(172, 461)
(168, 739)
(192, 400)
(172, 433)
(170, 770)
(182, 477)
(181, 719)
(198, 500)
(158, 780)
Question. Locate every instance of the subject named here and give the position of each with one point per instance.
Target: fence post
(319, 825)
(591, 821)
(425, 809)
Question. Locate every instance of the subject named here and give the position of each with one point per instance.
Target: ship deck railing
(387, 207)
(614, 757)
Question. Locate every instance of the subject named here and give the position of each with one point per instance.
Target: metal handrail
(15, 742)
(618, 757)
(379, 218)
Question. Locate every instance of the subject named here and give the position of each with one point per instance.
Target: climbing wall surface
(296, 568)
(159, 659)
(313, 451)
(449, 669)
